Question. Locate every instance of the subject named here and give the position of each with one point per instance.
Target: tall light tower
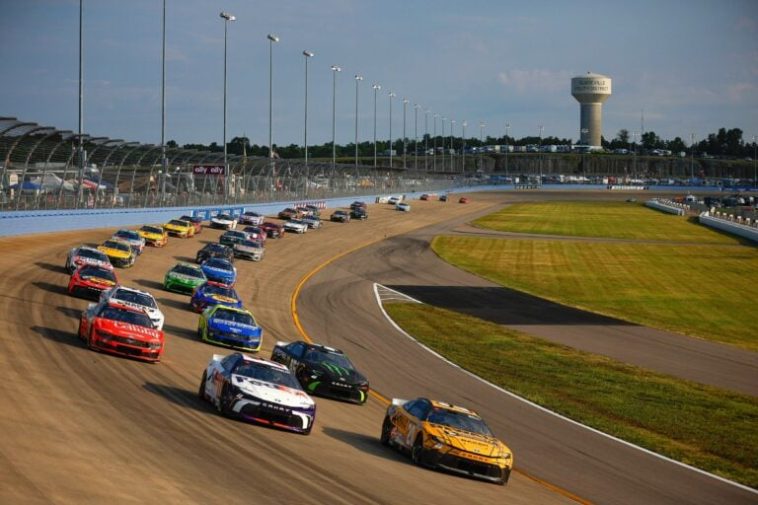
(591, 91)
(308, 55)
(443, 142)
(426, 139)
(227, 18)
(464, 124)
(539, 152)
(434, 153)
(271, 40)
(358, 79)
(80, 189)
(164, 160)
(391, 96)
(507, 129)
(335, 69)
(755, 172)
(376, 88)
(481, 145)
(452, 147)
(692, 156)
(405, 138)
(416, 107)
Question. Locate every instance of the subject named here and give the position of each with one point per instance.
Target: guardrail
(729, 223)
(668, 206)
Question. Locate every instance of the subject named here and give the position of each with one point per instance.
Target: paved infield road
(83, 427)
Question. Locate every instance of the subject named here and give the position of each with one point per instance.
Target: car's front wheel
(417, 451)
(384, 438)
(201, 389)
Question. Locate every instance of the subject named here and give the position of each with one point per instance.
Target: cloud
(536, 80)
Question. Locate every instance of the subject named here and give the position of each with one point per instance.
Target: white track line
(543, 409)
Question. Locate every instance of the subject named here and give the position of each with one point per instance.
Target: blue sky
(691, 65)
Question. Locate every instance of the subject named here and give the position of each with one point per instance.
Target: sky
(686, 66)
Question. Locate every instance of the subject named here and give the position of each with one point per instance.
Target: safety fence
(47, 168)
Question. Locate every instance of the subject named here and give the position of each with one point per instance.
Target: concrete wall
(749, 232)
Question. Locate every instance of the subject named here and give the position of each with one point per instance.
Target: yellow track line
(383, 399)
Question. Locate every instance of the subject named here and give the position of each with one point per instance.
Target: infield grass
(708, 291)
(625, 220)
(699, 425)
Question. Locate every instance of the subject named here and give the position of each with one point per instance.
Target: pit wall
(746, 230)
(49, 221)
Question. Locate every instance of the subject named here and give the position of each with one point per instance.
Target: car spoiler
(217, 357)
(281, 343)
(398, 402)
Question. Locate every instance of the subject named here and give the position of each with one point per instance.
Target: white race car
(85, 255)
(405, 207)
(296, 226)
(224, 221)
(257, 390)
(251, 218)
(136, 299)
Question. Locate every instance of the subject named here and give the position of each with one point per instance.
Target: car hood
(100, 281)
(467, 441)
(116, 253)
(338, 373)
(218, 272)
(122, 329)
(246, 330)
(185, 278)
(83, 260)
(273, 393)
(226, 300)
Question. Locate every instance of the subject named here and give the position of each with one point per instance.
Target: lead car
(257, 390)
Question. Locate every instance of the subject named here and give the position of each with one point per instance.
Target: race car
(133, 238)
(356, 204)
(313, 222)
(230, 327)
(257, 390)
(184, 278)
(249, 249)
(214, 293)
(394, 200)
(359, 213)
(443, 198)
(251, 218)
(136, 299)
(296, 226)
(219, 270)
(273, 230)
(180, 228)
(404, 207)
(89, 281)
(288, 213)
(84, 255)
(118, 329)
(119, 253)
(231, 237)
(445, 436)
(255, 233)
(214, 250)
(322, 370)
(340, 216)
(224, 222)
(463, 199)
(313, 210)
(155, 236)
(195, 221)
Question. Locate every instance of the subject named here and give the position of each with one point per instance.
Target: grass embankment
(699, 425)
(599, 219)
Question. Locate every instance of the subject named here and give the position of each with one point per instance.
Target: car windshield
(250, 243)
(234, 316)
(127, 235)
(112, 244)
(215, 248)
(218, 263)
(178, 222)
(128, 295)
(92, 254)
(318, 356)
(211, 289)
(252, 229)
(90, 271)
(224, 217)
(125, 316)
(188, 270)
(296, 221)
(266, 373)
(152, 229)
(187, 218)
(252, 214)
(459, 420)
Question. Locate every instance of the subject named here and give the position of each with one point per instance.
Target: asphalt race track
(83, 427)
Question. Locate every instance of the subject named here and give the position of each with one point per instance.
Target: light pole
(507, 129)
(434, 153)
(271, 40)
(442, 138)
(416, 107)
(426, 139)
(692, 157)
(164, 161)
(308, 55)
(227, 18)
(539, 152)
(634, 152)
(452, 147)
(391, 95)
(358, 78)
(755, 173)
(335, 69)
(376, 88)
(80, 189)
(405, 143)
(464, 124)
(481, 145)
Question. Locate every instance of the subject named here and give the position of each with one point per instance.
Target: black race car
(359, 213)
(323, 370)
(214, 250)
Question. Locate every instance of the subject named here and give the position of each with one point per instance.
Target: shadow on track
(147, 283)
(59, 269)
(178, 396)
(58, 289)
(60, 336)
(370, 445)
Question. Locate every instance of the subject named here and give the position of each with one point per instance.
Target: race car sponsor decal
(134, 328)
(224, 299)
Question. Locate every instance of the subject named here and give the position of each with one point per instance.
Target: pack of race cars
(128, 322)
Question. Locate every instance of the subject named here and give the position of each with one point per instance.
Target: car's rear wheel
(201, 389)
(224, 401)
(386, 430)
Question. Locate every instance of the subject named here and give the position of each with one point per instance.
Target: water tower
(591, 91)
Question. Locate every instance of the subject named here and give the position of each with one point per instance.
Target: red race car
(90, 280)
(119, 329)
(463, 199)
(273, 230)
(256, 233)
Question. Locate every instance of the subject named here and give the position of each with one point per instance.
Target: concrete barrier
(747, 231)
(668, 206)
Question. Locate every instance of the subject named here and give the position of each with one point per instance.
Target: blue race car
(230, 327)
(219, 270)
(214, 293)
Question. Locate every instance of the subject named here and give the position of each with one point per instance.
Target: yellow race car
(448, 437)
(180, 228)
(119, 252)
(153, 235)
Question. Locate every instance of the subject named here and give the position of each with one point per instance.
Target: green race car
(231, 327)
(184, 278)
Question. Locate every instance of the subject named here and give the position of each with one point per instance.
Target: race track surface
(84, 427)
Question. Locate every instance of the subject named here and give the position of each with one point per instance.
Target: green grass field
(699, 425)
(623, 220)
